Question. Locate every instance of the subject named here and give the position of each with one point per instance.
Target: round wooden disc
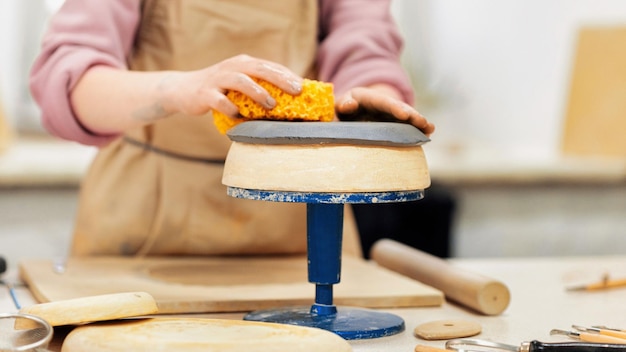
(328, 168)
(447, 329)
(195, 334)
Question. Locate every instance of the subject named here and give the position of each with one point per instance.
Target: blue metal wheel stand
(324, 239)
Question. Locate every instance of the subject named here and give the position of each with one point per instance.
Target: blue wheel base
(349, 323)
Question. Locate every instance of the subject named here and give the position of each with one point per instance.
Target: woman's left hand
(382, 101)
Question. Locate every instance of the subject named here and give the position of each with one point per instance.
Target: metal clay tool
(327, 165)
(604, 284)
(608, 328)
(589, 337)
(477, 345)
(602, 331)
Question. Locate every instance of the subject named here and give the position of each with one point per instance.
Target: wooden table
(539, 301)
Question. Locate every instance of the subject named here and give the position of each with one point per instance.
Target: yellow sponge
(315, 103)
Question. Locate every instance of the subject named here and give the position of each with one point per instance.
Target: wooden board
(596, 111)
(226, 284)
(189, 335)
(6, 133)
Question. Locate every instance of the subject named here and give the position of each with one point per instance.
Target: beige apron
(158, 191)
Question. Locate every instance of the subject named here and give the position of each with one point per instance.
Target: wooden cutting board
(225, 284)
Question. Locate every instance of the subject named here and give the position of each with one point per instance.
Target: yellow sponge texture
(315, 103)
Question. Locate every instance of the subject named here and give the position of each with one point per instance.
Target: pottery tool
(604, 284)
(483, 294)
(89, 309)
(10, 286)
(601, 331)
(478, 345)
(602, 327)
(590, 337)
(193, 334)
(424, 348)
(327, 165)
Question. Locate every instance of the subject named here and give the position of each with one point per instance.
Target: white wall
(496, 72)
(491, 72)
(8, 43)
(21, 25)
(540, 220)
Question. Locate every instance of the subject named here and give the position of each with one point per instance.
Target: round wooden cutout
(447, 329)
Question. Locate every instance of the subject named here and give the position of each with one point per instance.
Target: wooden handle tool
(425, 348)
(481, 293)
(76, 311)
(589, 337)
(601, 331)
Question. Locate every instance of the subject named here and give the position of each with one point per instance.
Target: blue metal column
(324, 237)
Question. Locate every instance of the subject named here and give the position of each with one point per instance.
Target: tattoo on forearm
(149, 113)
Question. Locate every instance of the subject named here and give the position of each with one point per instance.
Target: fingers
(236, 74)
(372, 100)
(198, 92)
(244, 84)
(272, 72)
(222, 104)
(284, 79)
(346, 104)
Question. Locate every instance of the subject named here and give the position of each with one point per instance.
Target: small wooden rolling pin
(481, 293)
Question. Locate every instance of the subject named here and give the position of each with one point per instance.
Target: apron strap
(169, 154)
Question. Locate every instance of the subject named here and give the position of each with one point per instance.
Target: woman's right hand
(198, 92)
(144, 97)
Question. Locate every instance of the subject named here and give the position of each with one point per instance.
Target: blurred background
(529, 157)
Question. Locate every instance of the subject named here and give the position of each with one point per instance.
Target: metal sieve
(34, 338)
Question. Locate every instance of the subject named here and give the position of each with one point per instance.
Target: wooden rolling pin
(483, 294)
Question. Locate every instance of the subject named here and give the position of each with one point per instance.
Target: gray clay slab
(361, 133)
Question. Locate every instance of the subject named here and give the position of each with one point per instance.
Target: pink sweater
(359, 46)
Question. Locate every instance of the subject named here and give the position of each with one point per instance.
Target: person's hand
(379, 102)
(198, 92)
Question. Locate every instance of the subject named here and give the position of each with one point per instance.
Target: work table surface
(539, 301)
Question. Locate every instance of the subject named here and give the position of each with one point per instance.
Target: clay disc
(447, 329)
(360, 133)
(194, 334)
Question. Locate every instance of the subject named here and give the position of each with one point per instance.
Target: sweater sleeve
(80, 35)
(360, 45)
